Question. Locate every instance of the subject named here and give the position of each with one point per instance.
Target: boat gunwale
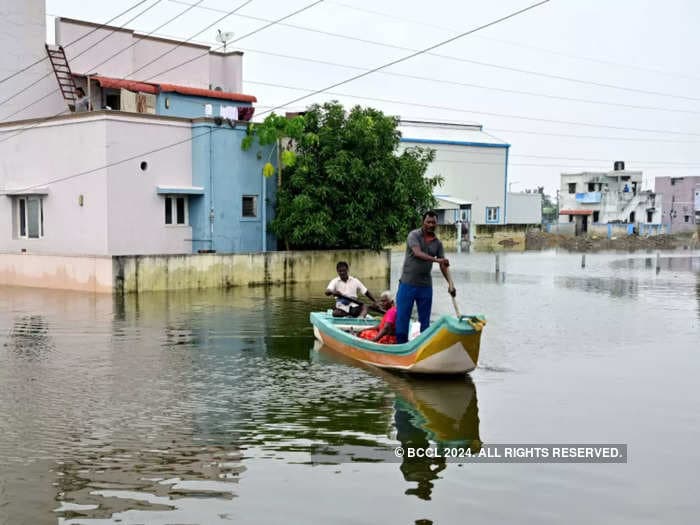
(323, 320)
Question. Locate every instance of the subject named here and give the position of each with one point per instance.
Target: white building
(601, 198)
(164, 177)
(474, 166)
(27, 82)
(524, 208)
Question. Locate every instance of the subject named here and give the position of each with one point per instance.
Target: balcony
(591, 197)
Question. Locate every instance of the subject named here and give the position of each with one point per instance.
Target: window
(571, 218)
(596, 216)
(175, 209)
(572, 187)
(250, 206)
(650, 216)
(30, 217)
(687, 218)
(492, 214)
(591, 186)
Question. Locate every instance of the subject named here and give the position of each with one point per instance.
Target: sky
(571, 85)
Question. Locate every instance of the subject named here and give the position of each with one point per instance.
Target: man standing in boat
(346, 288)
(423, 248)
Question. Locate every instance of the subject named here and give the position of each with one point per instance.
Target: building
(156, 169)
(524, 208)
(681, 203)
(593, 200)
(474, 166)
(28, 87)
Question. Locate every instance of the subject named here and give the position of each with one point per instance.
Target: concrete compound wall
(62, 272)
(141, 273)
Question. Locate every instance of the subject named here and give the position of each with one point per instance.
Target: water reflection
(673, 264)
(428, 412)
(29, 337)
(613, 286)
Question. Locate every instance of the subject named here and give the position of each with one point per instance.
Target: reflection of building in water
(29, 337)
(613, 286)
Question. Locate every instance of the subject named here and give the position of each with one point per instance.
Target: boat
(450, 345)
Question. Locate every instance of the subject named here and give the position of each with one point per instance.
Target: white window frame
(173, 210)
(40, 218)
(489, 210)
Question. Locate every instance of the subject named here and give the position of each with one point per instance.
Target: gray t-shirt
(82, 104)
(416, 272)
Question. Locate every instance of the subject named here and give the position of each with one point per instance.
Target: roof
(448, 133)
(575, 212)
(179, 190)
(34, 190)
(155, 88)
(453, 201)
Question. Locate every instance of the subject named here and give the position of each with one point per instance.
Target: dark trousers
(406, 296)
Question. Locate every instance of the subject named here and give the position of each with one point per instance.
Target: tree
(346, 185)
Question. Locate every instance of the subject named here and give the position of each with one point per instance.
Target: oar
(451, 284)
(356, 300)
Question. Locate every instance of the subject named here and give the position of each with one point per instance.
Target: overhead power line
(468, 84)
(463, 60)
(459, 110)
(415, 54)
(122, 161)
(271, 23)
(50, 73)
(520, 45)
(39, 61)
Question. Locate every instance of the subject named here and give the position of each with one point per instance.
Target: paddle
(451, 284)
(356, 300)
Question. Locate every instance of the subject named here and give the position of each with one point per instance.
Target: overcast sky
(517, 78)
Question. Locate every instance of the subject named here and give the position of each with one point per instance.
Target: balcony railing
(591, 197)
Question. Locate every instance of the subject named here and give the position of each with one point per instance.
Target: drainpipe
(263, 206)
(211, 195)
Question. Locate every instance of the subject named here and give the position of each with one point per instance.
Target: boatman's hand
(452, 291)
(445, 263)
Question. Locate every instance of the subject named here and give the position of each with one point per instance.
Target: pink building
(680, 209)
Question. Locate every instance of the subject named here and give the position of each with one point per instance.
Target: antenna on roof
(224, 37)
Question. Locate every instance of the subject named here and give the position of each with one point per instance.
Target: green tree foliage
(347, 185)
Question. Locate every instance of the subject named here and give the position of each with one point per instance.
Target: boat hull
(449, 346)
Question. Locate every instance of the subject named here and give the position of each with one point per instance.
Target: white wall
(135, 211)
(472, 173)
(121, 212)
(227, 71)
(53, 150)
(204, 69)
(194, 73)
(22, 39)
(524, 208)
(86, 56)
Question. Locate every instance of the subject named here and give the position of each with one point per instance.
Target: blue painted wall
(190, 107)
(227, 173)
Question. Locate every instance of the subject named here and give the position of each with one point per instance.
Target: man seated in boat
(346, 288)
(384, 333)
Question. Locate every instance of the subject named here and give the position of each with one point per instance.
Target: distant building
(524, 208)
(613, 197)
(681, 202)
(474, 166)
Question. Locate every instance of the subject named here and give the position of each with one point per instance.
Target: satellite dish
(224, 37)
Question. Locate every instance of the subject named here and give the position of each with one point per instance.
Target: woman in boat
(383, 334)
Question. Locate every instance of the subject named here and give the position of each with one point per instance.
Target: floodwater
(207, 407)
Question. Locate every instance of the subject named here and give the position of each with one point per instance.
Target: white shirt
(350, 288)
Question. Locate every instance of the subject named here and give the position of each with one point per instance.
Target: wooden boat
(450, 345)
